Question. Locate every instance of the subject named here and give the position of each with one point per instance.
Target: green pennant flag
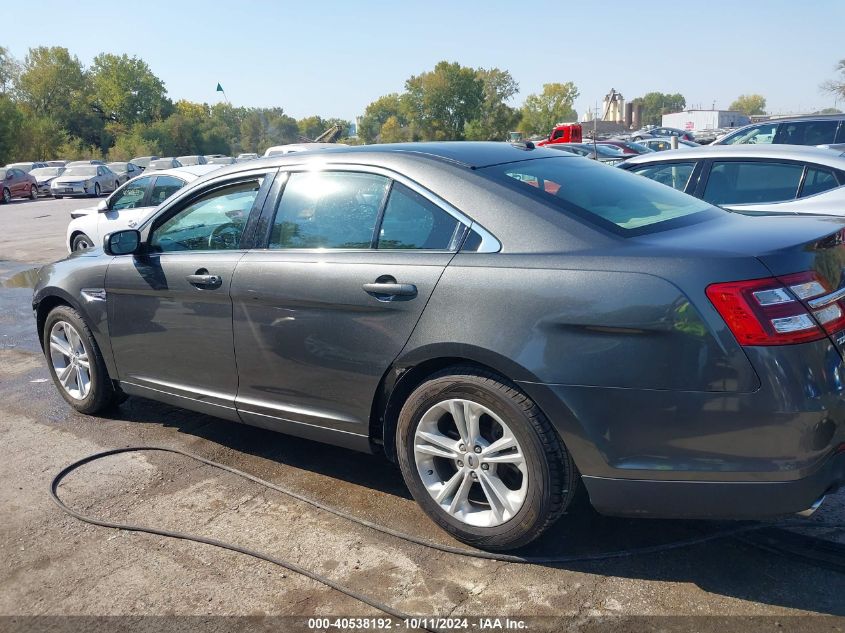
(219, 88)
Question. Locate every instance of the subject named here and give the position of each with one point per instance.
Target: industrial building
(703, 120)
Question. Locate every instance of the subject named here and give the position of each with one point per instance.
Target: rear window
(605, 195)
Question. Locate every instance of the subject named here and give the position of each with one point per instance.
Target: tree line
(51, 105)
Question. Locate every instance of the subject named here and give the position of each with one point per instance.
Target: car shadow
(725, 567)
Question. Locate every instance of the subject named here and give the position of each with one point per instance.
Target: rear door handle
(386, 291)
(204, 280)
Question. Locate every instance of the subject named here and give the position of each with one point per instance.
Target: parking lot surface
(53, 564)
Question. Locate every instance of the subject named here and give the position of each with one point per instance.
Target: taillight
(778, 310)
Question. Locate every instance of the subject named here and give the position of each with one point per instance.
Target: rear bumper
(714, 499)
(710, 454)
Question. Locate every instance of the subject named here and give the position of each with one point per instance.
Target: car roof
(806, 153)
(472, 154)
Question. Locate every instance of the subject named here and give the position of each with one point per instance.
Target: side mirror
(126, 242)
(102, 206)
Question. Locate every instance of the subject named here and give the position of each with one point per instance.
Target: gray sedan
(510, 325)
(125, 171)
(84, 180)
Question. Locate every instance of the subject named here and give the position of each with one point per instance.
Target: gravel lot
(52, 564)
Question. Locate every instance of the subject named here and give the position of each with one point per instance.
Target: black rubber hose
(449, 549)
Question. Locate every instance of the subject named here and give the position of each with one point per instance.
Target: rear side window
(607, 196)
(818, 180)
(808, 132)
(675, 175)
(412, 222)
(328, 210)
(737, 182)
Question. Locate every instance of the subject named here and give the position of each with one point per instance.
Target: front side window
(412, 222)
(214, 221)
(818, 180)
(758, 134)
(675, 175)
(737, 182)
(131, 196)
(165, 186)
(600, 194)
(328, 209)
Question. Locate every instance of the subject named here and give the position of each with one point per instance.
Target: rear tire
(500, 504)
(57, 197)
(69, 346)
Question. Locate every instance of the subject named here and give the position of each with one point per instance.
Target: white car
(754, 179)
(129, 205)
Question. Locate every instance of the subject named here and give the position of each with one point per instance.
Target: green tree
(837, 86)
(126, 90)
(393, 131)
(311, 127)
(656, 104)
(441, 101)
(9, 71)
(496, 118)
(750, 104)
(541, 112)
(53, 85)
(378, 112)
(11, 129)
(134, 143)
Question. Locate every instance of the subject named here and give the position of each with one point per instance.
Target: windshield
(47, 172)
(82, 170)
(608, 151)
(2, 174)
(189, 160)
(610, 197)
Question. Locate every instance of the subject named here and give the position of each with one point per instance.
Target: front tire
(482, 460)
(75, 362)
(33, 193)
(81, 242)
(97, 190)
(57, 197)
(7, 196)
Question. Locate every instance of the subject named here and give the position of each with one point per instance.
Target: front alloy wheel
(75, 362)
(70, 360)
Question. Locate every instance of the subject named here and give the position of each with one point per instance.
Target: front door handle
(385, 291)
(201, 279)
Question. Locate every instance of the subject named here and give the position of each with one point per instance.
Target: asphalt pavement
(53, 565)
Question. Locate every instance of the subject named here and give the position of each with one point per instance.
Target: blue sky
(333, 58)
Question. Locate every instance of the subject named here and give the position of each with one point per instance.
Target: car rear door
(350, 257)
(170, 313)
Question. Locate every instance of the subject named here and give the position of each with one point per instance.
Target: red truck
(563, 133)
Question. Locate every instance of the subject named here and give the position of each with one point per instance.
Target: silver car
(125, 171)
(753, 178)
(84, 180)
(163, 163)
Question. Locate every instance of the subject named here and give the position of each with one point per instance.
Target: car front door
(350, 259)
(170, 313)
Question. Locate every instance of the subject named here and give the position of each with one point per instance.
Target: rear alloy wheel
(75, 362)
(482, 460)
(81, 242)
(33, 192)
(7, 196)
